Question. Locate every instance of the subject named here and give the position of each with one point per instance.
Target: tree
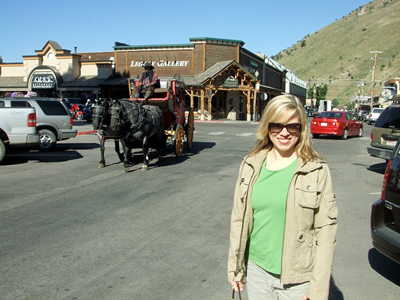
(322, 90)
(335, 102)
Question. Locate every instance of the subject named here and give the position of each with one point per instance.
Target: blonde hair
(288, 106)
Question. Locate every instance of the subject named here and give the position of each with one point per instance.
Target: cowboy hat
(148, 65)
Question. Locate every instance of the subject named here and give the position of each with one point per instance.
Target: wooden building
(220, 75)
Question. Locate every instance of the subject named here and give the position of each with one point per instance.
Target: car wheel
(360, 132)
(344, 136)
(47, 140)
(315, 135)
(2, 150)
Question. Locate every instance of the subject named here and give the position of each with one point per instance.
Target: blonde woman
(284, 217)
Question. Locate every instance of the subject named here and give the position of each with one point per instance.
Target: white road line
(216, 133)
(245, 134)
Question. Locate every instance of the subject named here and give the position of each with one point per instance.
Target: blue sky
(95, 25)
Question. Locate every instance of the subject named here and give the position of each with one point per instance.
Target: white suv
(54, 121)
(374, 115)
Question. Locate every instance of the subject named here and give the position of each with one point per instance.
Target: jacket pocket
(303, 254)
(307, 195)
(332, 210)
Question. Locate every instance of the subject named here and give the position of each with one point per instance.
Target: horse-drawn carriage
(169, 96)
(151, 123)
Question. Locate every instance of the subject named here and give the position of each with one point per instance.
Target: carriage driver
(147, 81)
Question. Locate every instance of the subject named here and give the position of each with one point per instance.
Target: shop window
(241, 104)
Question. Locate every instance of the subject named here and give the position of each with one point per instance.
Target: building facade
(220, 75)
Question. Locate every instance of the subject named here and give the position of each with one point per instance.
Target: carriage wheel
(190, 129)
(179, 140)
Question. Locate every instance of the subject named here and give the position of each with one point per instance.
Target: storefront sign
(231, 82)
(161, 63)
(43, 81)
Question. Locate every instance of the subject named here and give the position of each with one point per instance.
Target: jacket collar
(256, 161)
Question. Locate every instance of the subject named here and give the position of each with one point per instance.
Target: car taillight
(372, 135)
(32, 120)
(385, 178)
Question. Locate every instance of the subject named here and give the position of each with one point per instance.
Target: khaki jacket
(310, 226)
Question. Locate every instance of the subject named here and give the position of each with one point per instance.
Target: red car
(338, 123)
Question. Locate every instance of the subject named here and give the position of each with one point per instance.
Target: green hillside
(339, 54)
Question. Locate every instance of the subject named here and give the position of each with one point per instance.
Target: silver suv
(385, 133)
(54, 122)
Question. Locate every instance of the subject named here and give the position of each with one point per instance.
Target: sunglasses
(278, 127)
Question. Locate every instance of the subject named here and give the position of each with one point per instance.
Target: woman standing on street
(284, 217)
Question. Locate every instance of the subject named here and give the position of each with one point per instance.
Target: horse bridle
(139, 114)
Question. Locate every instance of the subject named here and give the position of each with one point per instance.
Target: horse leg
(160, 141)
(126, 155)
(145, 166)
(120, 155)
(102, 161)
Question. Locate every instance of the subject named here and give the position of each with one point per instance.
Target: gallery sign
(43, 81)
(231, 82)
(161, 63)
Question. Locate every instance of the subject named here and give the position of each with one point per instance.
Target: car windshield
(389, 117)
(329, 114)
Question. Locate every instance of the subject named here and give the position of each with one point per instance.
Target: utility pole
(373, 78)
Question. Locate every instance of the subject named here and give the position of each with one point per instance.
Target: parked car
(54, 121)
(385, 133)
(338, 123)
(385, 213)
(361, 115)
(364, 116)
(310, 112)
(374, 115)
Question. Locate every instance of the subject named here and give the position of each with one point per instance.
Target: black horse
(141, 126)
(101, 122)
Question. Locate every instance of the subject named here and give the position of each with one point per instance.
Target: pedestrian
(147, 82)
(284, 216)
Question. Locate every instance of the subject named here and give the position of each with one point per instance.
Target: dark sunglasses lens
(275, 127)
(293, 128)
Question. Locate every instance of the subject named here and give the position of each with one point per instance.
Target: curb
(86, 132)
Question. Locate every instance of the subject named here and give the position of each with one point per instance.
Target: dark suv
(385, 215)
(385, 133)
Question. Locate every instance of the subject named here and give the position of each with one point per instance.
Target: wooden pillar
(248, 112)
(209, 107)
(191, 99)
(202, 105)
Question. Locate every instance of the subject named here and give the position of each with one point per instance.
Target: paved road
(69, 230)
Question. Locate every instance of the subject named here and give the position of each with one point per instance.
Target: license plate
(391, 143)
(324, 124)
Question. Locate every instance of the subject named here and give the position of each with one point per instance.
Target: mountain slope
(339, 54)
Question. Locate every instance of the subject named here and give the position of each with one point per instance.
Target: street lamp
(257, 88)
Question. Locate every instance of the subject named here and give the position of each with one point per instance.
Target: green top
(269, 209)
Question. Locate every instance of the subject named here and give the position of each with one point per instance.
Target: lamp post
(373, 77)
(257, 88)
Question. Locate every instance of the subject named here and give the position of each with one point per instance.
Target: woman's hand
(236, 284)
(305, 298)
